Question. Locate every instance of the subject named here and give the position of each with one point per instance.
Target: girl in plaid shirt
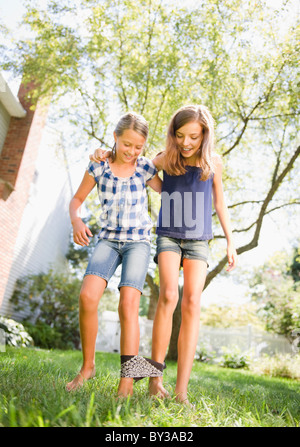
(124, 239)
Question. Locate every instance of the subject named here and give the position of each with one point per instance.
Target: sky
(225, 291)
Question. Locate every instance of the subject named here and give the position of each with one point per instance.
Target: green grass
(33, 393)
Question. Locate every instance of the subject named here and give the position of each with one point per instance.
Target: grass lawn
(32, 387)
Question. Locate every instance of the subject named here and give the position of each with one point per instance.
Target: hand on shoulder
(99, 155)
(159, 161)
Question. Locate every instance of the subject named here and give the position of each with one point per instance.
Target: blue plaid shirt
(124, 204)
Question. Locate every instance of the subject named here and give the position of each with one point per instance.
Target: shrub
(204, 354)
(47, 337)
(279, 365)
(15, 333)
(277, 294)
(50, 302)
(230, 316)
(234, 358)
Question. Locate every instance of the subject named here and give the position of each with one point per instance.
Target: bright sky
(221, 290)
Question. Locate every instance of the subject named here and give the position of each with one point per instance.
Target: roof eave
(9, 101)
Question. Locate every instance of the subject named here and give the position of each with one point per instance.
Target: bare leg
(130, 331)
(194, 280)
(90, 294)
(169, 263)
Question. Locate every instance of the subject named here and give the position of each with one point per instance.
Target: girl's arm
(81, 232)
(155, 183)
(101, 155)
(158, 161)
(223, 215)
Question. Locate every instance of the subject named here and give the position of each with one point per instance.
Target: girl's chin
(129, 160)
(187, 154)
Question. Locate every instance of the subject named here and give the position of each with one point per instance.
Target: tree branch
(246, 119)
(245, 202)
(282, 115)
(148, 51)
(163, 98)
(242, 230)
(121, 64)
(92, 132)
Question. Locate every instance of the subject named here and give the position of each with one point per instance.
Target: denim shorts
(186, 248)
(134, 257)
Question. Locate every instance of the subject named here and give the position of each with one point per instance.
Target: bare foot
(82, 376)
(156, 388)
(183, 399)
(125, 388)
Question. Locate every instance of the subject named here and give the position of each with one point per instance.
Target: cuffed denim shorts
(186, 248)
(134, 257)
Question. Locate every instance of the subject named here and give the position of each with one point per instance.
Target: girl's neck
(122, 169)
(191, 162)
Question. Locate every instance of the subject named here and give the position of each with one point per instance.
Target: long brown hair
(133, 121)
(173, 161)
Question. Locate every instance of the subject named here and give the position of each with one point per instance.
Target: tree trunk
(173, 350)
(154, 292)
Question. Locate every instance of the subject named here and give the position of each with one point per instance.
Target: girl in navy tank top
(191, 178)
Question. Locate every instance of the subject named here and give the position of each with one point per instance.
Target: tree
(153, 57)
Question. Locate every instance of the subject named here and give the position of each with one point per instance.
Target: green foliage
(15, 333)
(294, 269)
(153, 57)
(279, 365)
(204, 354)
(234, 358)
(230, 316)
(51, 304)
(278, 296)
(47, 337)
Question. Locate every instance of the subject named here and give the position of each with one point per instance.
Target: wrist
(75, 219)
(230, 241)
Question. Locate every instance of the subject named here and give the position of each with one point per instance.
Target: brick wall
(17, 166)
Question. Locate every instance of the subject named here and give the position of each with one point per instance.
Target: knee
(128, 308)
(169, 298)
(191, 305)
(87, 300)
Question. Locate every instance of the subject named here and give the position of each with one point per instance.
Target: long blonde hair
(173, 161)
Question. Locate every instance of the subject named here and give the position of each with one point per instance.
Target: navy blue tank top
(186, 206)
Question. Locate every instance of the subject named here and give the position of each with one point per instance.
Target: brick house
(35, 191)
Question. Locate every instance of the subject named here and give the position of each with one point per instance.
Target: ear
(115, 137)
